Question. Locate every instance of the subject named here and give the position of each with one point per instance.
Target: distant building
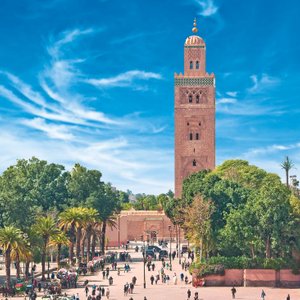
(194, 113)
(140, 225)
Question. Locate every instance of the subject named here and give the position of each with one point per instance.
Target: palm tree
(72, 220)
(46, 227)
(95, 233)
(90, 217)
(58, 241)
(20, 253)
(11, 239)
(287, 165)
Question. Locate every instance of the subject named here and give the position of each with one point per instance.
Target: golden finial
(195, 29)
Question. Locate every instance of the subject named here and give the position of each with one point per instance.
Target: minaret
(194, 113)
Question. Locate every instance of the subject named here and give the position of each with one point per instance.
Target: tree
(287, 165)
(107, 204)
(70, 220)
(82, 183)
(11, 239)
(59, 240)
(29, 187)
(198, 224)
(46, 228)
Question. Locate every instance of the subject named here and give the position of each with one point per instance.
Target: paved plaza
(163, 291)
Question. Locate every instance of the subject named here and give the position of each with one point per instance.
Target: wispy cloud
(262, 83)
(124, 79)
(232, 93)
(57, 122)
(271, 149)
(208, 7)
(226, 101)
(52, 130)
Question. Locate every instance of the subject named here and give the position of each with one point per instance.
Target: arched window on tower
(194, 163)
(191, 65)
(197, 136)
(197, 99)
(191, 136)
(190, 98)
(197, 64)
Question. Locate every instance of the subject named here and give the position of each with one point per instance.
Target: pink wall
(253, 277)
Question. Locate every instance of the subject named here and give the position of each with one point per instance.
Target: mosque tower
(194, 113)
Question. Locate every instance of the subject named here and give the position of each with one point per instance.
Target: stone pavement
(174, 292)
(171, 292)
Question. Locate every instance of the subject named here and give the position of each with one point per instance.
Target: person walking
(86, 290)
(196, 296)
(189, 293)
(107, 293)
(175, 279)
(288, 297)
(233, 291)
(263, 295)
(152, 279)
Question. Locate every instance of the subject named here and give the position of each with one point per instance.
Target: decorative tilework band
(201, 46)
(206, 81)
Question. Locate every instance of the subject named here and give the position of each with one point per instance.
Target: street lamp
(144, 260)
(170, 255)
(179, 245)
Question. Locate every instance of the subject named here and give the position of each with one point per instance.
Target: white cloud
(232, 94)
(226, 101)
(123, 79)
(61, 132)
(271, 149)
(208, 7)
(262, 83)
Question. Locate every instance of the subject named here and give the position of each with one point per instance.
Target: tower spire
(195, 29)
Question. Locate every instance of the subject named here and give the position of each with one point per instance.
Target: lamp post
(144, 260)
(179, 245)
(170, 254)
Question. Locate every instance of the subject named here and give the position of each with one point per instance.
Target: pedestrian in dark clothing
(152, 279)
(189, 293)
(263, 295)
(196, 296)
(288, 297)
(102, 291)
(103, 274)
(86, 290)
(233, 291)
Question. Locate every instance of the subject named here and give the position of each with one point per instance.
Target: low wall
(288, 279)
(260, 277)
(252, 278)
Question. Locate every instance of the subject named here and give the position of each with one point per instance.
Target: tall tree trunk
(78, 239)
(18, 265)
(287, 177)
(93, 244)
(7, 267)
(71, 246)
(44, 260)
(27, 264)
(58, 256)
(88, 244)
(268, 248)
(82, 244)
(103, 235)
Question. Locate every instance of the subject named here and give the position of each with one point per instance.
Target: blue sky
(92, 82)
